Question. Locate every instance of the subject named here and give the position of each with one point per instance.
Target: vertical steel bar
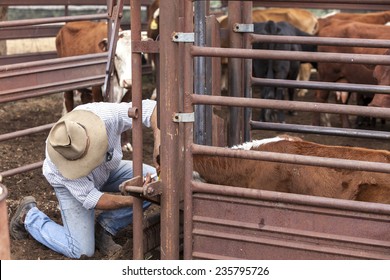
(234, 67)
(169, 11)
(247, 71)
(199, 72)
(137, 139)
(189, 134)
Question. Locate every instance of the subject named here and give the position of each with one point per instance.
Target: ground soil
(25, 150)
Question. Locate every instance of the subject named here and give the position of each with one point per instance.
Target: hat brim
(98, 143)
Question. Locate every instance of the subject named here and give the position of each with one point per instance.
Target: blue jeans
(76, 237)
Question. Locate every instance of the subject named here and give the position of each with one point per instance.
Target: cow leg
(342, 97)
(97, 95)
(85, 95)
(68, 100)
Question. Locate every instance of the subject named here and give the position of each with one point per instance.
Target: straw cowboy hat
(77, 143)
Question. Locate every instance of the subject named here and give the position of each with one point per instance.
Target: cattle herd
(329, 182)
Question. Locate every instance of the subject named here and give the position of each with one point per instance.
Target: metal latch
(181, 37)
(184, 117)
(244, 28)
(136, 185)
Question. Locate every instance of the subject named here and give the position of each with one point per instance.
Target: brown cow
(85, 37)
(382, 76)
(373, 18)
(300, 18)
(300, 179)
(349, 73)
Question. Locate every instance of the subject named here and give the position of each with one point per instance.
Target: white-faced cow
(85, 37)
(277, 69)
(299, 179)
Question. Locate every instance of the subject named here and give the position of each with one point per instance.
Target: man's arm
(111, 202)
(156, 136)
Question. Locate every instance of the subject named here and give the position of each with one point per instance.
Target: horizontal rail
(368, 207)
(291, 55)
(291, 105)
(293, 159)
(315, 40)
(321, 85)
(27, 22)
(62, 2)
(22, 169)
(321, 130)
(25, 132)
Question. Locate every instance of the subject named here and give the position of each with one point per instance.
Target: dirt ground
(25, 150)
(30, 149)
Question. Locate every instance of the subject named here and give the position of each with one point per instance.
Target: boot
(16, 226)
(104, 242)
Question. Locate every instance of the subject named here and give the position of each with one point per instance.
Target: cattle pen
(201, 220)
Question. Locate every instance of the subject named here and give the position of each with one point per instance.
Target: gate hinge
(181, 37)
(184, 117)
(243, 28)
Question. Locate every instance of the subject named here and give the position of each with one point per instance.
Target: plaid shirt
(115, 116)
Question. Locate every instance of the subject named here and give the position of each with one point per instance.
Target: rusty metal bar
(330, 203)
(25, 132)
(201, 134)
(62, 2)
(247, 70)
(235, 81)
(188, 136)
(293, 158)
(292, 105)
(169, 153)
(37, 31)
(321, 85)
(138, 251)
(27, 57)
(322, 130)
(30, 79)
(27, 22)
(292, 55)
(21, 169)
(323, 41)
(113, 29)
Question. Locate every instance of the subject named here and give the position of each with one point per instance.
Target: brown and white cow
(86, 37)
(348, 73)
(299, 179)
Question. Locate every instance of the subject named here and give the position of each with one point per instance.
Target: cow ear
(103, 44)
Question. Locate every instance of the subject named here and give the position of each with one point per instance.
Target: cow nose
(126, 83)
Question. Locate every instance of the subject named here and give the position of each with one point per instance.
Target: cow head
(122, 59)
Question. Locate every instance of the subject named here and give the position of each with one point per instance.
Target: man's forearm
(111, 202)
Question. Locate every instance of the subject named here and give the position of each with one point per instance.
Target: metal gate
(216, 221)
